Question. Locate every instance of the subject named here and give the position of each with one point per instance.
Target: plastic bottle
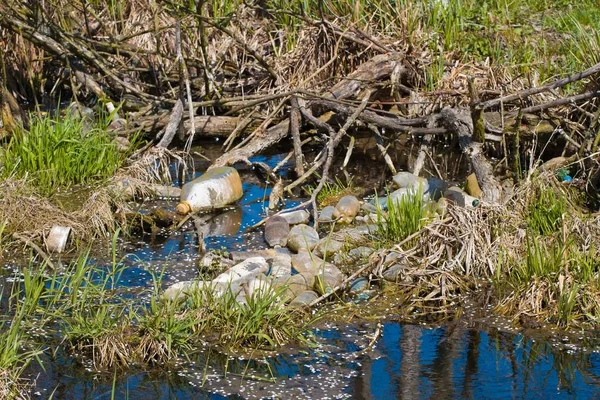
(215, 188)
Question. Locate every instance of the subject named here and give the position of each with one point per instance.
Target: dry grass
(32, 215)
(474, 248)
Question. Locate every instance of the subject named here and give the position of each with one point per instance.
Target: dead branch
(459, 121)
(545, 88)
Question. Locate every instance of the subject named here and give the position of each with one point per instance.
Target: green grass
(84, 312)
(402, 218)
(546, 211)
(560, 278)
(59, 152)
(261, 323)
(332, 192)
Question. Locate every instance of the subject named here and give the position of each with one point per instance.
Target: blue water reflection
(407, 362)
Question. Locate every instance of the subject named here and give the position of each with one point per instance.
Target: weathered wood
(459, 121)
(545, 88)
(172, 126)
(295, 130)
(379, 67)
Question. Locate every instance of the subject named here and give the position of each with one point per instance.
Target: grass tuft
(60, 152)
(403, 217)
(546, 211)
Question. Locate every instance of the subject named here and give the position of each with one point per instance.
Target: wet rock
(410, 181)
(302, 236)
(56, 241)
(306, 262)
(328, 247)
(459, 197)
(244, 271)
(329, 278)
(328, 214)
(296, 217)
(437, 187)
(359, 285)
(215, 188)
(304, 299)
(277, 230)
(281, 265)
(294, 285)
(472, 186)
(348, 207)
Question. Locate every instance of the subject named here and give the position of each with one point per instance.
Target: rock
(305, 262)
(328, 214)
(437, 187)
(359, 285)
(259, 286)
(217, 187)
(472, 187)
(277, 230)
(243, 272)
(329, 278)
(304, 299)
(281, 265)
(328, 247)
(360, 253)
(410, 181)
(458, 196)
(302, 236)
(348, 207)
(56, 241)
(294, 285)
(296, 217)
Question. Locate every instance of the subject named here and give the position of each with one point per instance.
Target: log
(459, 121)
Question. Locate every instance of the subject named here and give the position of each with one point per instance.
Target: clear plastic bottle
(215, 188)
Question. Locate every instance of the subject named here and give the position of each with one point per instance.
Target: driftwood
(378, 68)
(459, 122)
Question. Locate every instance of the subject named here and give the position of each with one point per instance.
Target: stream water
(362, 360)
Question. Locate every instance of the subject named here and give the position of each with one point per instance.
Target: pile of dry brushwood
(190, 75)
